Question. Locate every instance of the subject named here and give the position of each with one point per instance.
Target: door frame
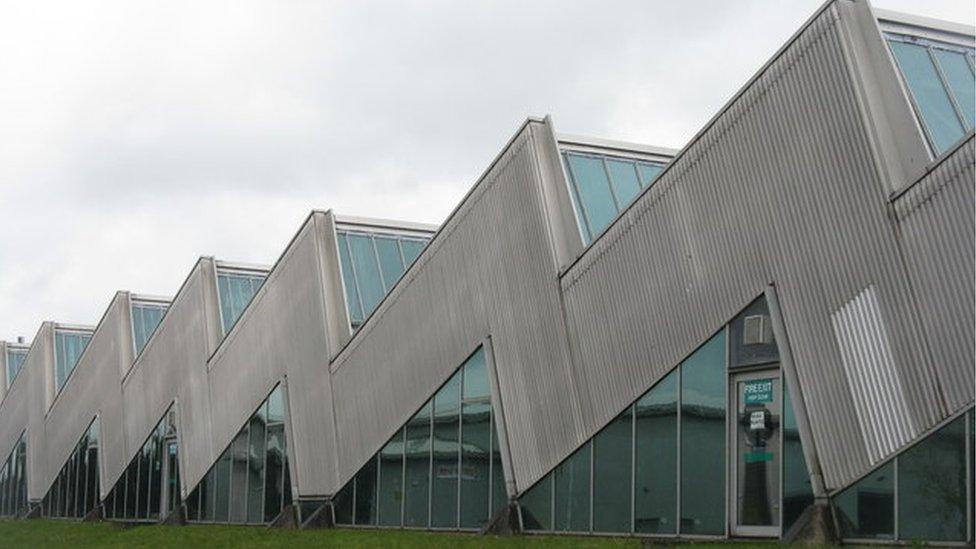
(765, 371)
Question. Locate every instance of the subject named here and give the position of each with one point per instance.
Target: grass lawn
(61, 534)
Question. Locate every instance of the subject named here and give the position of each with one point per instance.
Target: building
(768, 333)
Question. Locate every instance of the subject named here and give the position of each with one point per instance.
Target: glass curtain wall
(145, 318)
(74, 492)
(236, 289)
(925, 493)
(442, 469)
(626, 479)
(371, 264)
(142, 490)
(15, 359)
(250, 482)
(68, 345)
(602, 186)
(659, 468)
(13, 481)
(940, 80)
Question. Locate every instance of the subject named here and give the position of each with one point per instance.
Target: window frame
(397, 234)
(73, 330)
(931, 40)
(237, 270)
(604, 153)
(146, 301)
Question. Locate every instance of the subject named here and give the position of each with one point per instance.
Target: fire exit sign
(759, 391)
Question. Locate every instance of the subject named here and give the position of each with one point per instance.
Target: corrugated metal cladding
(282, 333)
(781, 188)
(866, 356)
(93, 389)
(173, 367)
(936, 224)
(489, 271)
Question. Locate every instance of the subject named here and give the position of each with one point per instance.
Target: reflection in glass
(932, 486)
(391, 481)
(446, 448)
(536, 505)
(572, 492)
(656, 470)
(366, 494)
(703, 382)
(612, 452)
(417, 479)
(797, 490)
(867, 509)
(475, 463)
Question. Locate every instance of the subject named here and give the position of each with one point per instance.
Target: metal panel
(490, 270)
(173, 366)
(94, 388)
(783, 186)
(870, 370)
(281, 334)
(936, 224)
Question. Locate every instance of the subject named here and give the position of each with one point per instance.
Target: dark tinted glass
(703, 383)
(656, 469)
(612, 476)
(932, 486)
(572, 492)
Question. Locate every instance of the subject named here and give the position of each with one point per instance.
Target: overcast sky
(136, 137)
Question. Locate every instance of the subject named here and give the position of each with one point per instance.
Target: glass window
(371, 265)
(589, 177)
(536, 506)
(602, 186)
(391, 481)
(342, 505)
(648, 172)
(417, 479)
(626, 185)
(349, 281)
(475, 462)
(932, 486)
(797, 490)
(68, 348)
(391, 262)
(703, 384)
(255, 465)
(250, 481)
(940, 81)
(367, 270)
(867, 509)
(15, 359)
(366, 494)
(612, 480)
(446, 454)
(656, 470)
(571, 483)
(145, 318)
(959, 77)
(236, 291)
(459, 463)
(411, 249)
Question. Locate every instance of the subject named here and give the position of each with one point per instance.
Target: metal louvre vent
(756, 330)
(871, 375)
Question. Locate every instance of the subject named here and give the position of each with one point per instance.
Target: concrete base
(177, 517)
(286, 519)
(33, 512)
(95, 515)
(321, 518)
(815, 526)
(505, 522)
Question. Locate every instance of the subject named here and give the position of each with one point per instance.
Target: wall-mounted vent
(869, 366)
(756, 330)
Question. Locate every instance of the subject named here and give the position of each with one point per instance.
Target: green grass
(61, 534)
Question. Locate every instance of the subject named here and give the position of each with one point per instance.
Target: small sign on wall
(759, 391)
